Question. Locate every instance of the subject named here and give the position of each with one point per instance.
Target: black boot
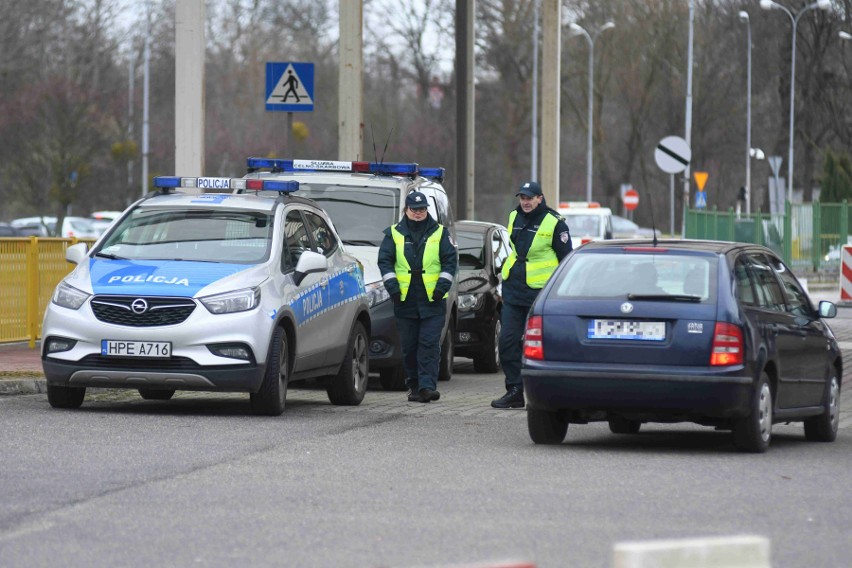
(413, 395)
(514, 398)
(428, 395)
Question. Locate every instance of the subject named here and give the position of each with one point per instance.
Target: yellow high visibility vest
(431, 262)
(541, 258)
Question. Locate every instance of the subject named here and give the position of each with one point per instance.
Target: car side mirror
(827, 309)
(309, 263)
(75, 254)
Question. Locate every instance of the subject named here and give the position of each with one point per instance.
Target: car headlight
(470, 302)
(376, 293)
(69, 297)
(232, 302)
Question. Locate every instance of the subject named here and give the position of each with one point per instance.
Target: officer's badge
(563, 236)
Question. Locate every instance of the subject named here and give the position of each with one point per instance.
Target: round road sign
(672, 154)
(631, 199)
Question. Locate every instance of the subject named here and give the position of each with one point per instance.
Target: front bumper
(191, 366)
(473, 331)
(675, 393)
(385, 350)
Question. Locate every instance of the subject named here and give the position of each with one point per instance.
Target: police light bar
(579, 204)
(217, 184)
(385, 168)
(433, 173)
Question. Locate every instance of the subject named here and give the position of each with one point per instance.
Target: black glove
(437, 295)
(396, 298)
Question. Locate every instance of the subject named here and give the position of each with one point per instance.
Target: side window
(500, 244)
(798, 302)
(766, 286)
(323, 235)
(745, 292)
(296, 240)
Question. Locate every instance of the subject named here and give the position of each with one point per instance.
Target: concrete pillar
(189, 88)
(350, 118)
(551, 25)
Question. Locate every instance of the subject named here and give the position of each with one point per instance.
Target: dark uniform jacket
(416, 302)
(515, 289)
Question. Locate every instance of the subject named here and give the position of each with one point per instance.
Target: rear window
(612, 275)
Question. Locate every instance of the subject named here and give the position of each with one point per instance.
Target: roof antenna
(382, 161)
(373, 138)
(653, 224)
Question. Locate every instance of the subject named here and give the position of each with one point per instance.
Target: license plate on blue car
(627, 329)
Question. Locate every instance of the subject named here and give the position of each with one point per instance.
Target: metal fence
(30, 269)
(808, 236)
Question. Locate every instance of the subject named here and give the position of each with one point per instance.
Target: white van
(587, 221)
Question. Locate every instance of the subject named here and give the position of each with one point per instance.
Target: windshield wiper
(359, 243)
(109, 256)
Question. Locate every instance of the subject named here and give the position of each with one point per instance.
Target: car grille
(140, 364)
(157, 311)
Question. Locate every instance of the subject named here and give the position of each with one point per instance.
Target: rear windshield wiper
(665, 297)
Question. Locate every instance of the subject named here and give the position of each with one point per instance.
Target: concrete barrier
(743, 551)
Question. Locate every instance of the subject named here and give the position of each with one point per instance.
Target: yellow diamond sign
(700, 180)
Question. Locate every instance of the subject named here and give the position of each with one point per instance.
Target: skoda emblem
(139, 306)
(626, 308)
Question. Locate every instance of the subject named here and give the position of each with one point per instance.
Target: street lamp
(770, 5)
(591, 39)
(744, 18)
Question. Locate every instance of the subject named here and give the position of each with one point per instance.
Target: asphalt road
(199, 481)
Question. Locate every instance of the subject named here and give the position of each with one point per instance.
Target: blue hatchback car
(717, 333)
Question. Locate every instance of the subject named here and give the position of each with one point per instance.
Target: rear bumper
(679, 393)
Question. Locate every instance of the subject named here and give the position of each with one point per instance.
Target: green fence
(808, 236)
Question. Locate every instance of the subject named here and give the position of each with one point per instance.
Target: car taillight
(533, 346)
(727, 345)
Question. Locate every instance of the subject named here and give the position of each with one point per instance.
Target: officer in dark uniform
(418, 262)
(540, 240)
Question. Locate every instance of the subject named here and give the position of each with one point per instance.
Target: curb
(18, 385)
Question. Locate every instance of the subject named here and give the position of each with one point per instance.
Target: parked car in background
(7, 230)
(363, 199)
(587, 221)
(80, 227)
(623, 228)
(101, 220)
(717, 333)
(483, 248)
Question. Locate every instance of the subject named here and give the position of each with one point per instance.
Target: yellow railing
(30, 269)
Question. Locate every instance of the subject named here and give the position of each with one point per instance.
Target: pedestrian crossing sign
(290, 87)
(701, 200)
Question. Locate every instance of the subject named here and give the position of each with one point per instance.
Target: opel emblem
(626, 308)
(139, 306)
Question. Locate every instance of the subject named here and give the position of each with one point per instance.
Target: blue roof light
(282, 186)
(393, 168)
(433, 173)
(166, 182)
(271, 163)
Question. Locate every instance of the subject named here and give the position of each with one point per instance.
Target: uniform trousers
(513, 321)
(421, 350)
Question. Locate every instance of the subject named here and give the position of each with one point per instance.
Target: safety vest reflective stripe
(431, 263)
(541, 259)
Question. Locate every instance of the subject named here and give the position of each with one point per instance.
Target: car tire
(448, 353)
(488, 360)
(546, 426)
(621, 425)
(393, 378)
(823, 428)
(350, 384)
(269, 400)
(754, 432)
(156, 394)
(65, 397)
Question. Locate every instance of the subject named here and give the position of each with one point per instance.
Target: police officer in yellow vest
(540, 239)
(418, 262)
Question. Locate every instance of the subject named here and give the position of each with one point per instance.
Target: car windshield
(620, 275)
(239, 237)
(359, 214)
(471, 249)
(584, 224)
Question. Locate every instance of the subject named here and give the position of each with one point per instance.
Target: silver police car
(211, 292)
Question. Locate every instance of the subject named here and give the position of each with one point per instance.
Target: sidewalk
(21, 371)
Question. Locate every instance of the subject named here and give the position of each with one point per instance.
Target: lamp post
(770, 5)
(745, 19)
(591, 39)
